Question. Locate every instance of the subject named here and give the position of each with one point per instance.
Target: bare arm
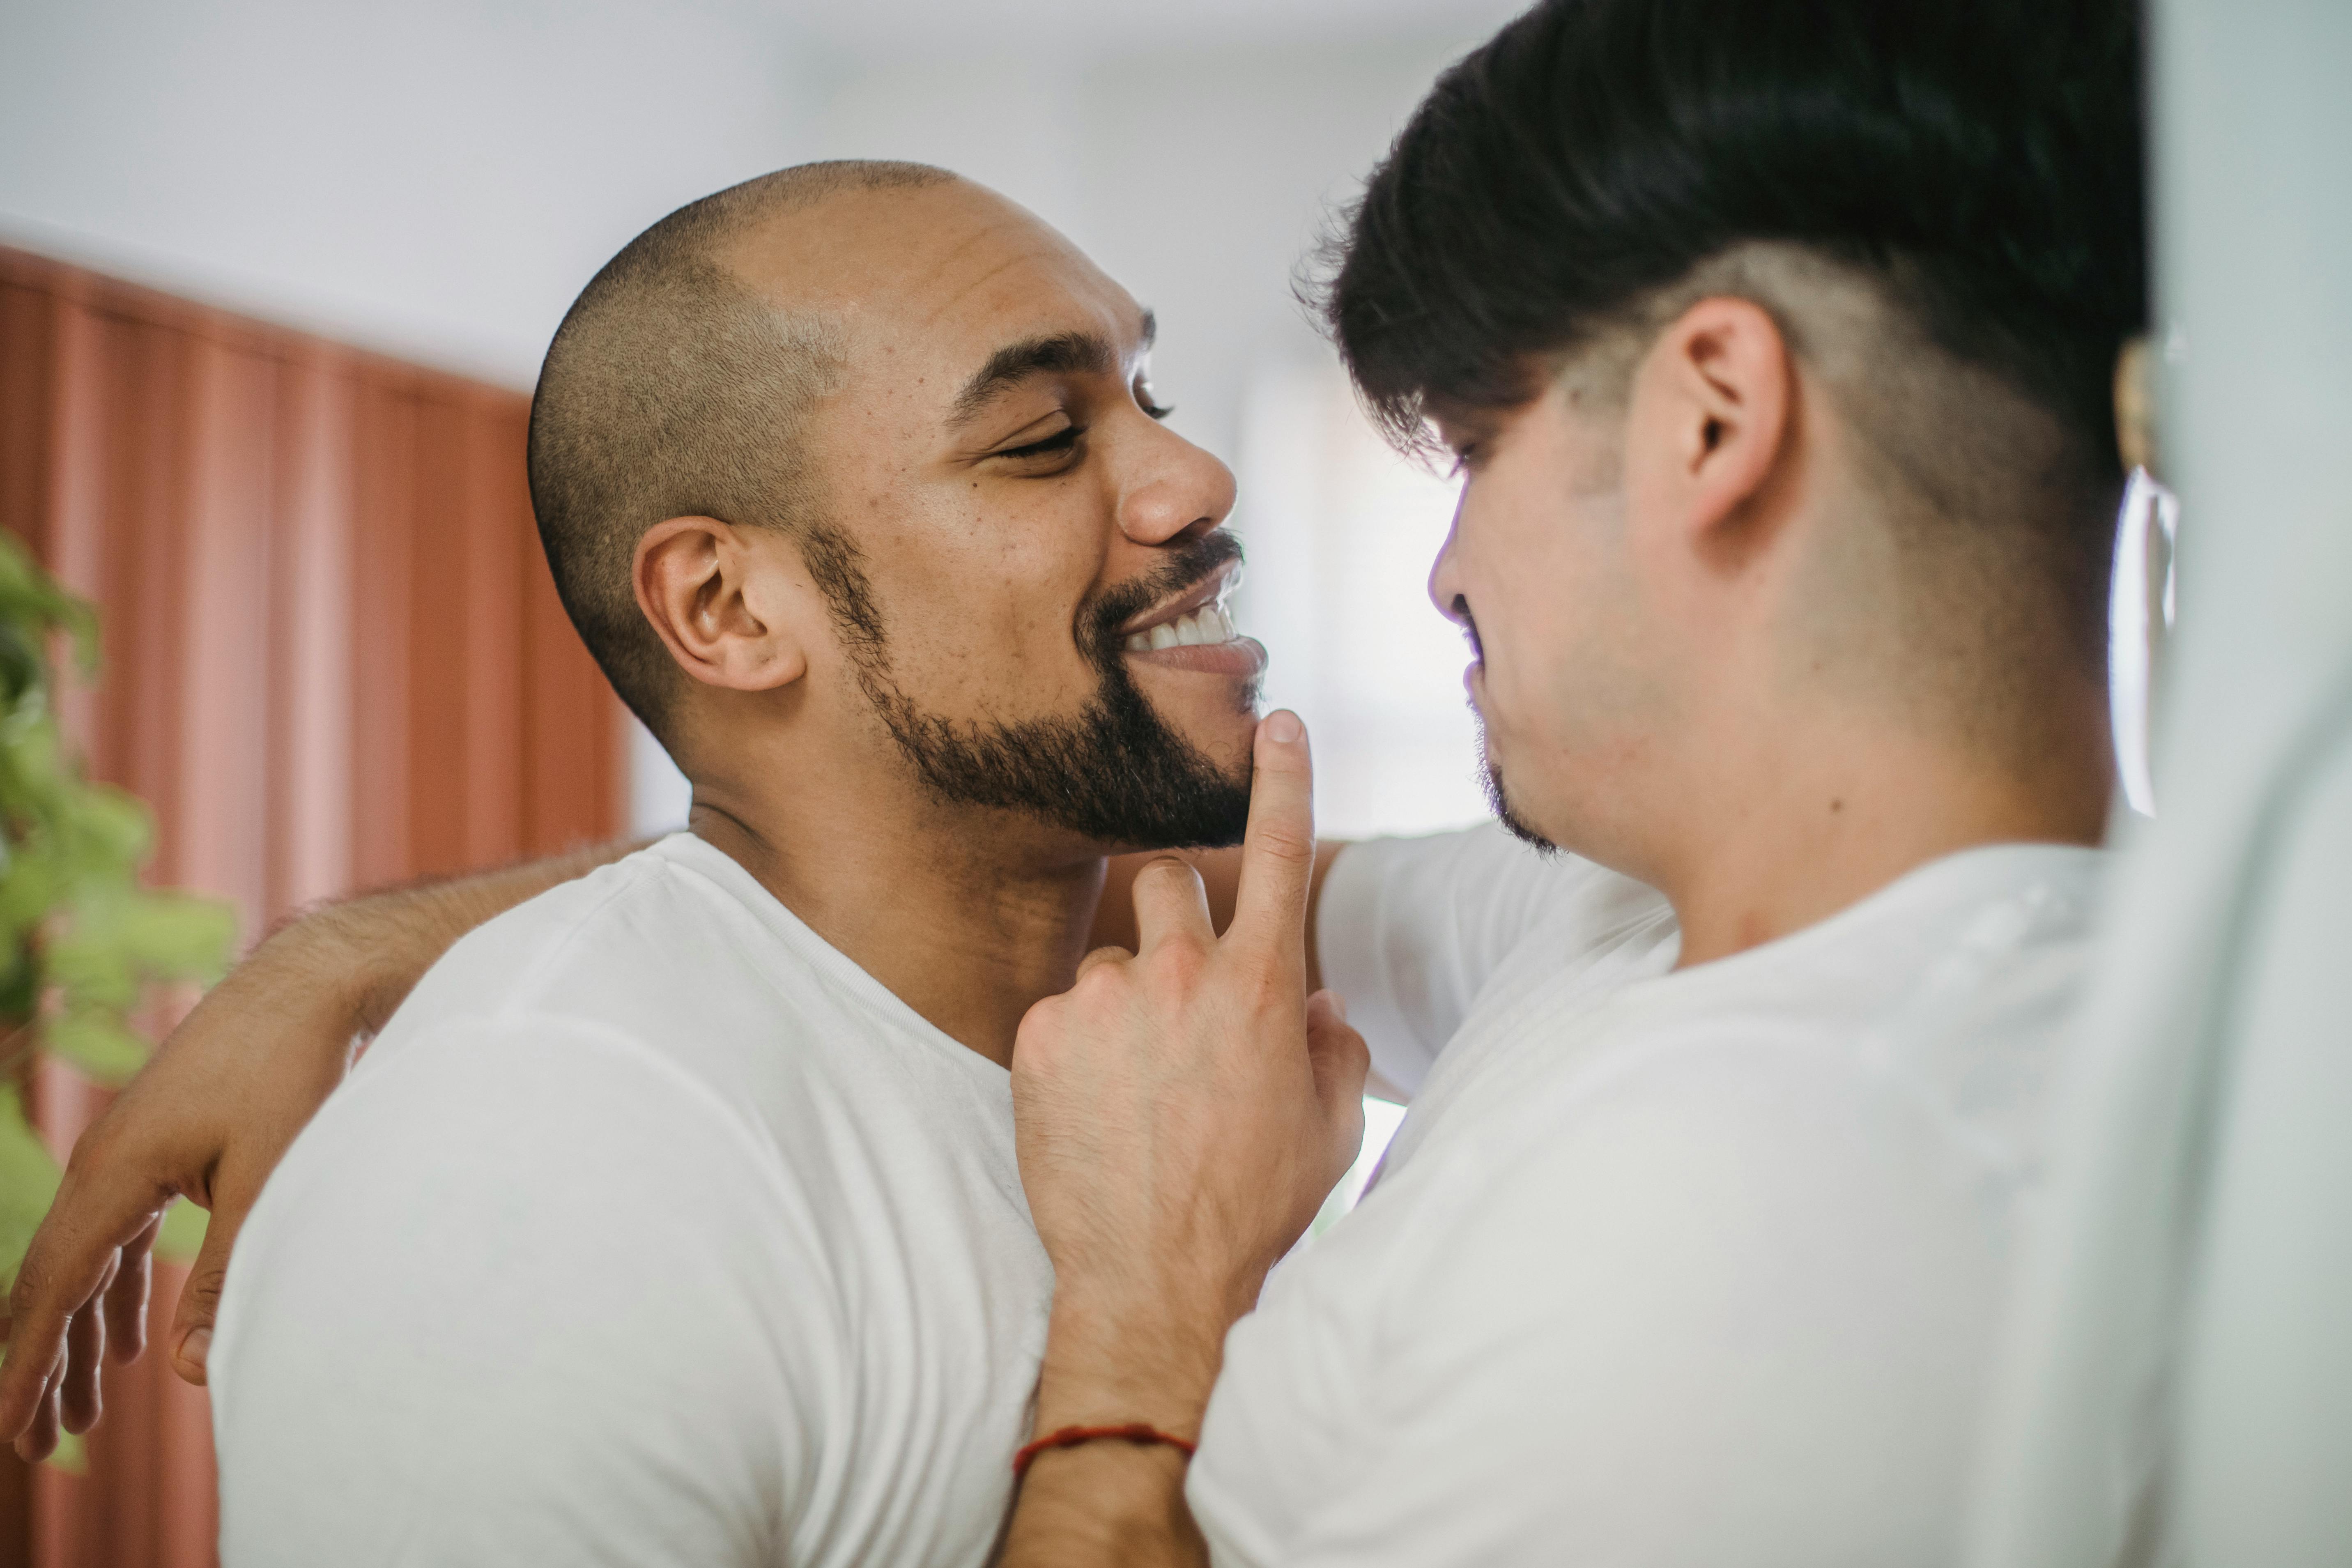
(1179, 1114)
(207, 1119)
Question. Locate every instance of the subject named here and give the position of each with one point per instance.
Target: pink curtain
(333, 660)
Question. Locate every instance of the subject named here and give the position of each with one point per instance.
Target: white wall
(436, 178)
(439, 178)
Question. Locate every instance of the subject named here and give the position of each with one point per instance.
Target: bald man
(674, 1217)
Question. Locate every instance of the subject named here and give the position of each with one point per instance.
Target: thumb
(192, 1324)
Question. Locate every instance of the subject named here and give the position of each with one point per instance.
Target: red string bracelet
(1071, 1436)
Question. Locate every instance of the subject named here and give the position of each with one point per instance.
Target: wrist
(1110, 1361)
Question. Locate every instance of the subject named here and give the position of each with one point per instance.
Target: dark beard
(1114, 774)
(1499, 800)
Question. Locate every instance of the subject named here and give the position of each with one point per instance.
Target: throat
(968, 941)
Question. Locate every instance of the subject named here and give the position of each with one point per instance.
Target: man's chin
(1514, 821)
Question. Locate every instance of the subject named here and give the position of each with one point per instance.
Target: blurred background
(274, 279)
(434, 182)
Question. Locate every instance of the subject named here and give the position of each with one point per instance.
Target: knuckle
(1099, 982)
(1285, 844)
(1180, 957)
(203, 1292)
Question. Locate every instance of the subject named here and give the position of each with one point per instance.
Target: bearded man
(674, 1217)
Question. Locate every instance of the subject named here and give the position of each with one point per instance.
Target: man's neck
(967, 926)
(1810, 818)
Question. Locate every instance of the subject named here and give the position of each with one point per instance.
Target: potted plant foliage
(80, 941)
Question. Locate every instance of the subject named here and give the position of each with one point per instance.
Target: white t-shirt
(652, 1231)
(1677, 1269)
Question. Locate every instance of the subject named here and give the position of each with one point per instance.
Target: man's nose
(1186, 489)
(1444, 580)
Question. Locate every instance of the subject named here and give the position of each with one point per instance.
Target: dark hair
(1981, 158)
(672, 390)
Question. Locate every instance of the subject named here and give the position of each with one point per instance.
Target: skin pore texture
(910, 695)
(1726, 643)
(1729, 641)
(1001, 509)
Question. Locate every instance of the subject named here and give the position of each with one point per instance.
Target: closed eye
(1063, 440)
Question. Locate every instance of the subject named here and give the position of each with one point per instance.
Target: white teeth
(1209, 623)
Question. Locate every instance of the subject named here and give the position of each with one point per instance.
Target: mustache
(1187, 566)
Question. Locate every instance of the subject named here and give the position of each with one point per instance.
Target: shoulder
(675, 951)
(1476, 874)
(533, 1273)
(1724, 1302)
(658, 914)
(509, 1143)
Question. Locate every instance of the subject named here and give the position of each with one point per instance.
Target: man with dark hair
(1773, 340)
(1776, 343)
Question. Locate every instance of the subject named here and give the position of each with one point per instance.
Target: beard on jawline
(1498, 798)
(1113, 773)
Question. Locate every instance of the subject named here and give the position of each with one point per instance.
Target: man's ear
(1710, 420)
(723, 601)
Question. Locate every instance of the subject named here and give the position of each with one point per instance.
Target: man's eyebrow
(1063, 354)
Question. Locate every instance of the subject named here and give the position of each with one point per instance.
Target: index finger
(1278, 852)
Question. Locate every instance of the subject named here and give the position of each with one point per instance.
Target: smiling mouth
(1195, 619)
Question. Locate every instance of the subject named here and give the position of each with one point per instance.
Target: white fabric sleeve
(1409, 931)
(1733, 1310)
(502, 1303)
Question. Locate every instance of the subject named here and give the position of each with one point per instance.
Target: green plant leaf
(69, 1454)
(175, 936)
(79, 939)
(96, 1040)
(28, 1180)
(183, 1233)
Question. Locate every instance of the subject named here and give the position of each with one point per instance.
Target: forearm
(365, 953)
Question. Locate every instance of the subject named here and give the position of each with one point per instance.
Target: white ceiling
(871, 29)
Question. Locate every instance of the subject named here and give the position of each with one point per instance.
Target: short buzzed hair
(673, 390)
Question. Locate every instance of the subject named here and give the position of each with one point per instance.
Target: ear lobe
(1727, 373)
(699, 582)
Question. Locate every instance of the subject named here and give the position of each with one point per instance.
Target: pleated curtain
(334, 660)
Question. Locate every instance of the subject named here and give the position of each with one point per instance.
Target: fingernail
(196, 1347)
(1281, 727)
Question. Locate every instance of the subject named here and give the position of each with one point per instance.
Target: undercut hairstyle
(1976, 165)
(673, 390)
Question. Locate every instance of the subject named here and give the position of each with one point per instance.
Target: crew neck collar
(686, 849)
(1964, 877)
